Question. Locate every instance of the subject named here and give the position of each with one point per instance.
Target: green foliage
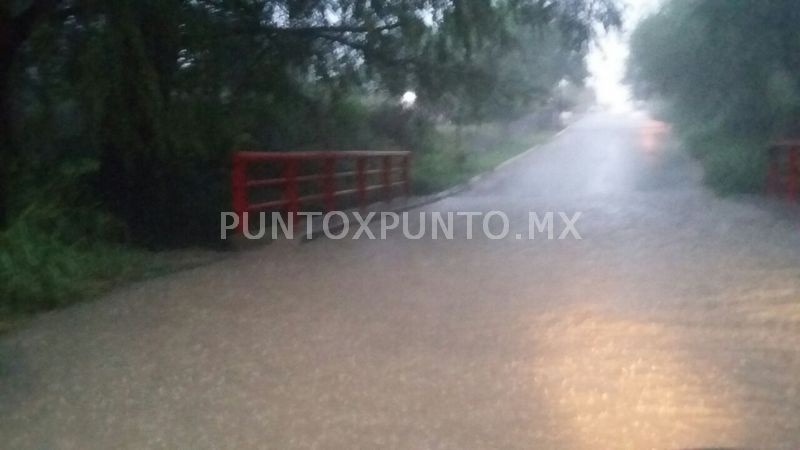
(452, 155)
(439, 166)
(56, 251)
(159, 93)
(61, 248)
(730, 75)
(118, 117)
(734, 166)
(40, 271)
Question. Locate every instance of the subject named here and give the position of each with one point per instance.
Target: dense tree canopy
(144, 95)
(729, 73)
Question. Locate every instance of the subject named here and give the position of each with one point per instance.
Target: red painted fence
(783, 171)
(332, 175)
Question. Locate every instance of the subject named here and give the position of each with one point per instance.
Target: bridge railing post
(361, 181)
(405, 174)
(290, 192)
(239, 189)
(791, 181)
(329, 184)
(387, 178)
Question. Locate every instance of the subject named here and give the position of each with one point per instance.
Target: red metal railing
(299, 188)
(783, 176)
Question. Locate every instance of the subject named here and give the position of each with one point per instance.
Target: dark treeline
(727, 74)
(117, 117)
(141, 101)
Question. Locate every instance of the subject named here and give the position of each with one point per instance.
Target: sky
(607, 58)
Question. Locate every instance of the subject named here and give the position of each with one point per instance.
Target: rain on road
(673, 323)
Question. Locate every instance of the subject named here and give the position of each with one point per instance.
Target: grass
(41, 272)
(454, 156)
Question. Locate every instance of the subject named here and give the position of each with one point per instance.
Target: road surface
(674, 322)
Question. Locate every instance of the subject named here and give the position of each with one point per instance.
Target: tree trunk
(8, 50)
(14, 31)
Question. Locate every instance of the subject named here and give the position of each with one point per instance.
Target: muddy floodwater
(673, 323)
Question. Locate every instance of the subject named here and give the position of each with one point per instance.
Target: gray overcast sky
(607, 58)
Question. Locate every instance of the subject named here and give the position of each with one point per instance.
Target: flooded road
(673, 323)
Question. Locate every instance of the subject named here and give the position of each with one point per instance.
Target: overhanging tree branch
(333, 29)
(310, 31)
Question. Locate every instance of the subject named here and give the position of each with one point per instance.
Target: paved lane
(674, 322)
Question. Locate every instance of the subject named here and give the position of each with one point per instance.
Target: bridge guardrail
(325, 185)
(783, 170)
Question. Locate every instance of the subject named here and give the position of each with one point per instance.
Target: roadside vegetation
(727, 75)
(458, 154)
(118, 118)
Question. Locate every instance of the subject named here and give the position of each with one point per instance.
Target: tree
(17, 22)
(159, 91)
(728, 72)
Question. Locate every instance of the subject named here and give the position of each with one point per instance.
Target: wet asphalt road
(674, 322)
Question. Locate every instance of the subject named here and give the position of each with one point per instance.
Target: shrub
(61, 248)
(39, 271)
(734, 166)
